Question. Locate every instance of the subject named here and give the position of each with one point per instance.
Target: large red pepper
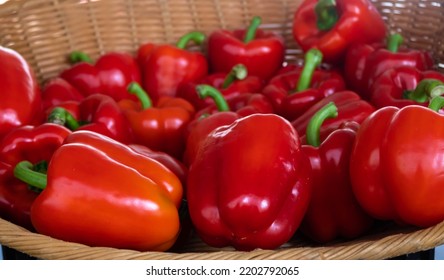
(365, 62)
(97, 112)
(110, 75)
(249, 186)
(294, 91)
(333, 211)
(405, 85)
(36, 145)
(235, 83)
(100, 192)
(58, 91)
(333, 25)
(260, 51)
(159, 126)
(20, 93)
(396, 165)
(350, 108)
(166, 67)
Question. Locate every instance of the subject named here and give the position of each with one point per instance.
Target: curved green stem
(205, 91)
(238, 72)
(394, 42)
(437, 103)
(313, 59)
(24, 172)
(251, 31)
(326, 14)
(195, 36)
(78, 56)
(314, 126)
(425, 90)
(136, 89)
(61, 116)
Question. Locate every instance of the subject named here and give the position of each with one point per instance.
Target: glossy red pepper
(260, 51)
(58, 91)
(365, 62)
(20, 93)
(249, 186)
(235, 83)
(109, 75)
(333, 25)
(100, 192)
(405, 85)
(36, 145)
(159, 126)
(333, 211)
(350, 108)
(97, 112)
(295, 91)
(165, 67)
(396, 165)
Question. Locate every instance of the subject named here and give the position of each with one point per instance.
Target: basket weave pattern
(45, 31)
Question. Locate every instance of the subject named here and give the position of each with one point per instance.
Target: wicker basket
(44, 31)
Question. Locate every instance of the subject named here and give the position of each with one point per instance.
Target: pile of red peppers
(227, 140)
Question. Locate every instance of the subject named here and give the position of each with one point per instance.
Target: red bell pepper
(260, 51)
(97, 112)
(293, 92)
(36, 145)
(396, 164)
(20, 93)
(110, 75)
(249, 186)
(161, 126)
(333, 211)
(166, 67)
(350, 108)
(235, 83)
(406, 85)
(365, 62)
(58, 91)
(100, 192)
(333, 25)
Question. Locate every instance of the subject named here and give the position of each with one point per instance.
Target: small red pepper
(396, 164)
(58, 91)
(36, 145)
(350, 108)
(260, 51)
(236, 82)
(365, 62)
(333, 25)
(333, 211)
(293, 92)
(97, 112)
(166, 67)
(110, 75)
(405, 85)
(20, 93)
(100, 192)
(161, 126)
(249, 186)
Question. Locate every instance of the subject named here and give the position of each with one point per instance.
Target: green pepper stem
(437, 103)
(394, 42)
(78, 56)
(313, 59)
(314, 126)
(205, 91)
(61, 116)
(238, 72)
(250, 34)
(195, 36)
(425, 90)
(326, 14)
(142, 95)
(23, 171)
